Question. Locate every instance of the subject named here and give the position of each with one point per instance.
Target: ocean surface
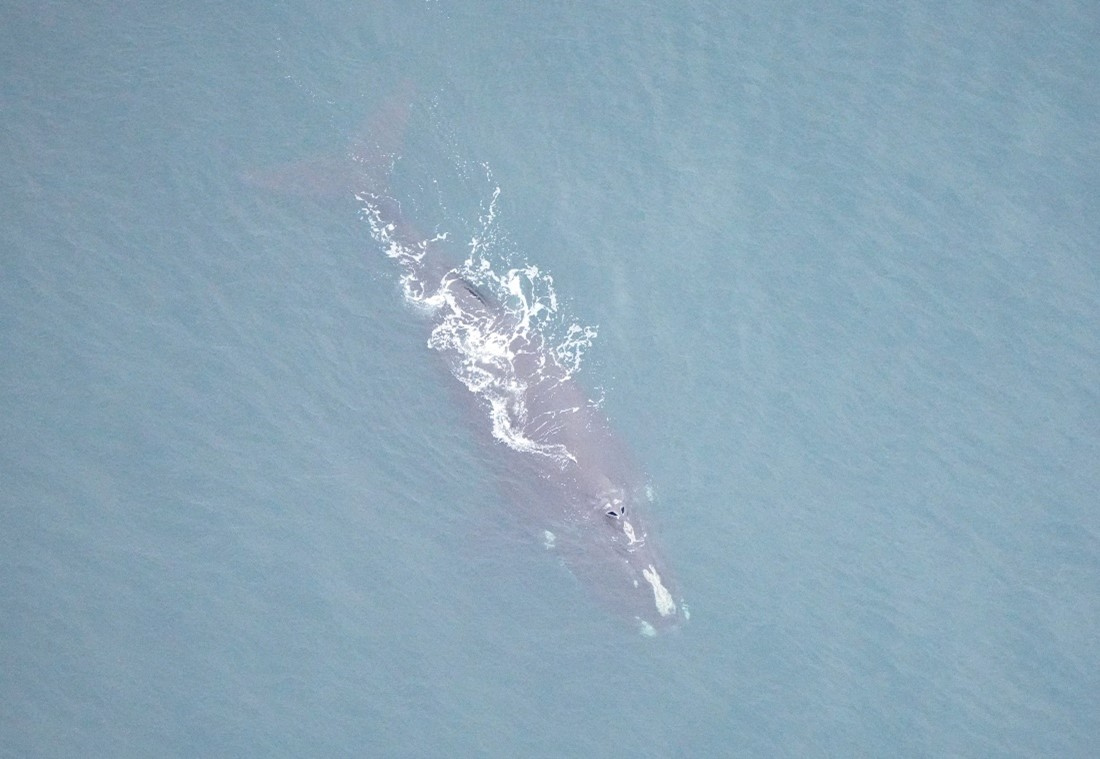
(842, 264)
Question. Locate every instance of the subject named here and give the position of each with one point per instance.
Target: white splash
(489, 319)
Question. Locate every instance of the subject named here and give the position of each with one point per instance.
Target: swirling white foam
(490, 316)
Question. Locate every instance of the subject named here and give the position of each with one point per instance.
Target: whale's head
(616, 556)
(647, 586)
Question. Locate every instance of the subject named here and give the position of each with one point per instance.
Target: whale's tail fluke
(378, 144)
(365, 166)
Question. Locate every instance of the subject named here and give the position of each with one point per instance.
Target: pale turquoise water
(844, 267)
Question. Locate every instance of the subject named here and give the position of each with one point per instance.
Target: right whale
(574, 482)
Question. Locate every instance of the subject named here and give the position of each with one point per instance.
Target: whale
(571, 479)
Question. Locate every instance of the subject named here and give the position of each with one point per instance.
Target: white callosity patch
(632, 539)
(661, 596)
(549, 539)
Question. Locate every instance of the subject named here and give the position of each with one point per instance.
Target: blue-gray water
(844, 263)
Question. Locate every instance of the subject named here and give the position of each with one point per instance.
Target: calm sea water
(843, 265)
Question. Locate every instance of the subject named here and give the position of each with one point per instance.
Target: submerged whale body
(503, 336)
